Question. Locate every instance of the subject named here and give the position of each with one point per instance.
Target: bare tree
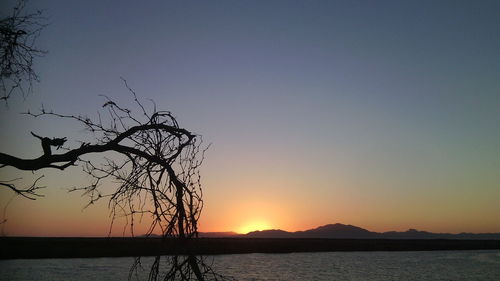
(18, 35)
(155, 163)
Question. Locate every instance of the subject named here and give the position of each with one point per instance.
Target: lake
(425, 265)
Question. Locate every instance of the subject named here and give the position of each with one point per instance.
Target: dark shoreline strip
(30, 247)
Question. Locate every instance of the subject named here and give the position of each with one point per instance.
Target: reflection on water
(435, 265)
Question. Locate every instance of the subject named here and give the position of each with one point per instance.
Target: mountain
(343, 231)
(272, 233)
(337, 230)
(416, 234)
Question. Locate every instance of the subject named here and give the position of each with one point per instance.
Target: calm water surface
(435, 265)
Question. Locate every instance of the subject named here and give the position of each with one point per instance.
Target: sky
(379, 114)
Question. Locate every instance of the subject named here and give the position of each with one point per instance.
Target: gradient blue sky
(381, 114)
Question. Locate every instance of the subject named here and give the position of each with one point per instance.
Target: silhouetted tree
(18, 35)
(155, 163)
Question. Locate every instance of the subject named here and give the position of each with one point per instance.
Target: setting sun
(254, 226)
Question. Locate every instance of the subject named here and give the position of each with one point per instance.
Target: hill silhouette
(346, 231)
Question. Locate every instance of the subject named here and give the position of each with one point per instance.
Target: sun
(254, 226)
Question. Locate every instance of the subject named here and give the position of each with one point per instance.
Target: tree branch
(29, 193)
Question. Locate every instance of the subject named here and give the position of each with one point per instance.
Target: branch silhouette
(155, 163)
(18, 51)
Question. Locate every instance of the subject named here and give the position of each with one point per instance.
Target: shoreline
(49, 247)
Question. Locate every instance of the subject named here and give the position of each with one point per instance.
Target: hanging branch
(18, 50)
(160, 166)
(155, 163)
(30, 192)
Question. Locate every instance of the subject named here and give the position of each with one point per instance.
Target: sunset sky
(379, 114)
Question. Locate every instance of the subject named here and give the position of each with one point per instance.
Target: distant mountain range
(343, 231)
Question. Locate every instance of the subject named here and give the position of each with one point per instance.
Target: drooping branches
(178, 268)
(31, 192)
(18, 50)
(154, 164)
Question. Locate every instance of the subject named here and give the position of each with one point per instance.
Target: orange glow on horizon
(254, 226)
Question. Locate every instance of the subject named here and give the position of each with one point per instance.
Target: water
(369, 266)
